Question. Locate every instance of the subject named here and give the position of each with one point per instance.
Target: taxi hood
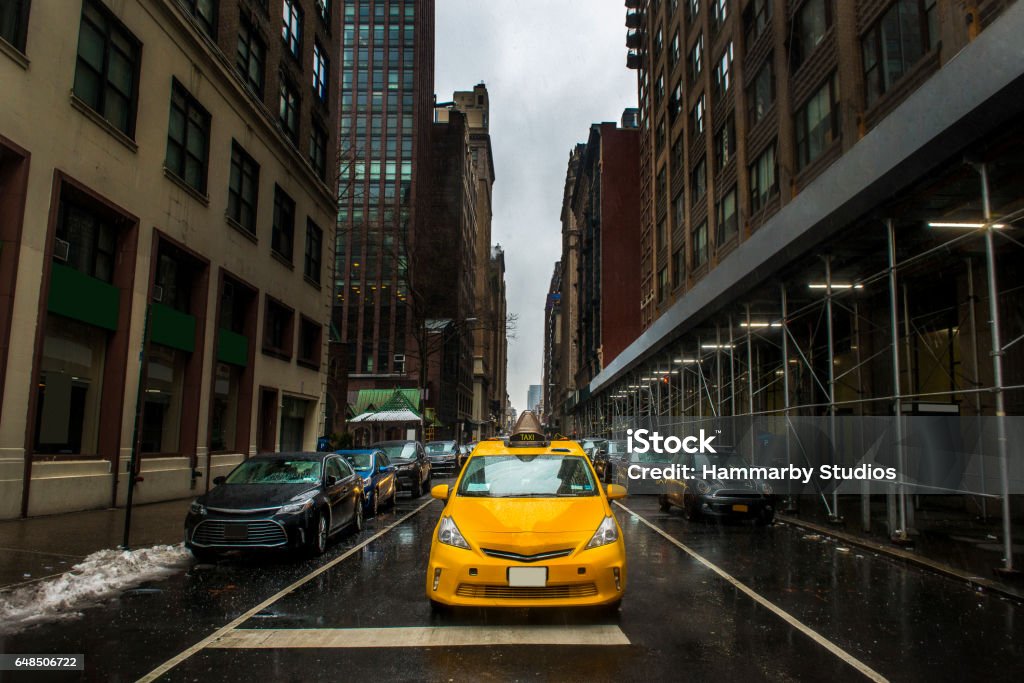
(529, 515)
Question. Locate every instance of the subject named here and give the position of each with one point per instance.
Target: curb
(908, 557)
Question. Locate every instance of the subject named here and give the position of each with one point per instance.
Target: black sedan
(443, 456)
(279, 501)
(605, 460)
(700, 496)
(411, 465)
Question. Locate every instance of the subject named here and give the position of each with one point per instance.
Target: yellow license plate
(740, 508)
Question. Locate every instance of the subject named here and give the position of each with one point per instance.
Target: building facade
(552, 348)
(167, 195)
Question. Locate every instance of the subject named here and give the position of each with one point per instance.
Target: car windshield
(359, 461)
(276, 472)
(527, 476)
(401, 451)
(616, 447)
(648, 456)
(721, 459)
(440, 447)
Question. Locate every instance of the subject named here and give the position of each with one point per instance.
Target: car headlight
(607, 532)
(197, 508)
(449, 534)
(298, 504)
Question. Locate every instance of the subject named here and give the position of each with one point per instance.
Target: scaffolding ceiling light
(969, 226)
(835, 285)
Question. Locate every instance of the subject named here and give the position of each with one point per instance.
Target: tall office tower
(387, 77)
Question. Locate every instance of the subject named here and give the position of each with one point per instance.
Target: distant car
(379, 480)
(709, 497)
(639, 479)
(464, 451)
(443, 456)
(604, 461)
(592, 446)
(280, 501)
(411, 465)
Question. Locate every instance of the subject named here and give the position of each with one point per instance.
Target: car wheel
(394, 497)
(663, 504)
(317, 544)
(357, 518)
(205, 555)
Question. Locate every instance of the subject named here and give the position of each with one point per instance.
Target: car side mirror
(441, 492)
(331, 480)
(615, 491)
(217, 481)
(387, 468)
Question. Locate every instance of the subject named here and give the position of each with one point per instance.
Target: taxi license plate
(740, 508)
(236, 532)
(527, 577)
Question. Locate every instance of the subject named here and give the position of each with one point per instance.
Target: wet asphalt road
(810, 610)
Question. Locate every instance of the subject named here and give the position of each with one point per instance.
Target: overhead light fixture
(967, 226)
(717, 346)
(681, 361)
(835, 285)
(753, 325)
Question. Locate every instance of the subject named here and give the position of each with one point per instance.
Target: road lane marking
(238, 621)
(764, 602)
(421, 636)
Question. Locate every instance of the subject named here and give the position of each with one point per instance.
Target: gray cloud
(551, 68)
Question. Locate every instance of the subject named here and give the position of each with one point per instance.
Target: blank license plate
(740, 508)
(236, 532)
(528, 577)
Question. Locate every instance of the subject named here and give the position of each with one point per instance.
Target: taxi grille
(262, 533)
(505, 555)
(577, 590)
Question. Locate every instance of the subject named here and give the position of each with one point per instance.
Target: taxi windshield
(527, 476)
(276, 472)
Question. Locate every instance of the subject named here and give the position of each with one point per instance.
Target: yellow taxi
(527, 524)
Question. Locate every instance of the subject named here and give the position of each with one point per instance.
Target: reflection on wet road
(365, 616)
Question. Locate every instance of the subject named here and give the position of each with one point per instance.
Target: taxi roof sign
(527, 431)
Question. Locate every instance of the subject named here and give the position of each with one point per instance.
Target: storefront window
(70, 387)
(225, 407)
(161, 423)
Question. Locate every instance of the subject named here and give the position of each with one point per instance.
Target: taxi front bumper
(460, 577)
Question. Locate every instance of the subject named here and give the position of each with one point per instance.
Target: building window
(817, 123)
(723, 71)
(659, 42)
(678, 267)
(205, 12)
(679, 211)
(699, 180)
(251, 57)
(725, 143)
(291, 28)
(310, 342)
(314, 242)
(323, 10)
(14, 22)
(90, 239)
(726, 219)
(761, 93)
(662, 283)
(697, 118)
(293, 426)
(320, 72)
(289, 110)
(107, 68)
(675, 101)
(70, 387)
(165, 384)
(763, 179)
(278, 320)
(243, 188)
(700, 245)
(173, 279)
(661, 234)
(188, 135)
(895, 43)
(318, 150)
(692, 9)
(696, 59)
(719, 13)
(659, 89)
(282, 237)
(811, 23)
(756, 18)
(674, 53)
(659, 136)
(224, 415)
(677, 154)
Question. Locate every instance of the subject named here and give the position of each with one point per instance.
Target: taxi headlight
(606, 533)
(449, 534)
(197, 508)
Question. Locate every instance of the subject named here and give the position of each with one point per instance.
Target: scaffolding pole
(835, 517)
(900, 534)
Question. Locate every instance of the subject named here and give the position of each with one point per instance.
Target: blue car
(378, 475)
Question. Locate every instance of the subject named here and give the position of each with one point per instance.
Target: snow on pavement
(99, 576)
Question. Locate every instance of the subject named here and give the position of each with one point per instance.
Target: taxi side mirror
(440, 492)
(615, 491)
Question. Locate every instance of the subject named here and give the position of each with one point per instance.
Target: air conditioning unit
(399, 358)
(158, 293)
(399, 363)
(61, 249)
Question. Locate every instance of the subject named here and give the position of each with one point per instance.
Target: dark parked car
(411, 465)
(379, 482)
(592, 446)
(279, 501)
(711, 497)
(464, 451)
(443, 456)
(606, 458)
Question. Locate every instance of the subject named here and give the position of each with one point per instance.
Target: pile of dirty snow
(97, 577)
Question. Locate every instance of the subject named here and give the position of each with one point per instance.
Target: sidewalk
(949, 541)
(36, 548)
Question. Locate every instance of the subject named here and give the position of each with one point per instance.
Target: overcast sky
(552, 67)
